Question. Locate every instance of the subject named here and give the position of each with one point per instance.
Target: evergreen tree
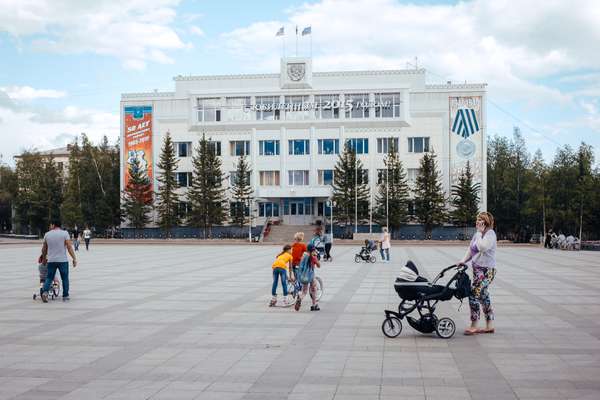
(535, 205)
(241, 190)
(392, 197)
(8, 192)
(350, 189)
(167, 197)
(137, 197)
(207, 195)
(465, 199)
(430, 202)
(72, 214)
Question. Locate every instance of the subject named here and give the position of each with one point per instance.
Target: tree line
(526, 194)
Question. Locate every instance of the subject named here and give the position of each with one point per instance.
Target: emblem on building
(296, 71)
(465, 125)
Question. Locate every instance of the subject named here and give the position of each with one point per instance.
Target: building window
(238, 109)
(184, 149)
(296, 108)
(329, 146)
(299, 147)
(216, 147)
(268, 147)
(387, 105)
(184, 179)
(383, 145)
(239, 147)
(268, 210)
(267, 108)
(359, 145)
(412, 174)
(233, 178)
(381, 176)
(418, 144)
(269, 178)
(209, 110)
(325, 177)
(362, 178)
(327, 106)
(357, 105)
(298, 178)
(183, 209)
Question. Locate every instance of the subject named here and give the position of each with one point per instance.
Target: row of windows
(269, 108)
(302, 146)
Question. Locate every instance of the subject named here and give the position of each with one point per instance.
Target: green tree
(350, 189)
(536, 194)
(167, 197)
(430, 202)
(241, 192)
(8, 192)
(207, 195)
(465, 199)
(137, 197)
(392, 197)
(72, 214)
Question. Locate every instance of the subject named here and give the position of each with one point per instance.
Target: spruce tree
(430, 202)
(166, 196)
(137, 197)
(241, 191)
(71, 208)
(350, 189)
(392, 198)
(465, 199)
(207, 195)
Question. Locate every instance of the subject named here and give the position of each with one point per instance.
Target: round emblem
(465, 148)
(296, 71)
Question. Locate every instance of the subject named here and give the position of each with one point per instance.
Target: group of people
(560, 241)
(76, 236)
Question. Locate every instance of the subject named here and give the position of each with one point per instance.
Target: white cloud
(509, 46)
(195, 30)
(135, 31)
(27, 93)
(23, 127)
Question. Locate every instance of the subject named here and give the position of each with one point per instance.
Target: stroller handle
(461, 267)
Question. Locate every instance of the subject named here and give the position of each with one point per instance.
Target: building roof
(58, 152)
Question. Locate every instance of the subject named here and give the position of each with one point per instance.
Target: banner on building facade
(465, 128)
(138, 139)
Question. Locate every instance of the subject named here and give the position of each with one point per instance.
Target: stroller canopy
(410, 273)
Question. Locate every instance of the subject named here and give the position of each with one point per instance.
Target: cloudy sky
(64, 63)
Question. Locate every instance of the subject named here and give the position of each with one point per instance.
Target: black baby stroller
(417, 293)
(366, 252)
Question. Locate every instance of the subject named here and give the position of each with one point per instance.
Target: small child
(43, 270)
(280, 269)
(309, 261)
(76, 241)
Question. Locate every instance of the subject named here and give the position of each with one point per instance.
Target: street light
(329, 204)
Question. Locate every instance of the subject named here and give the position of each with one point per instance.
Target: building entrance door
(298, 212)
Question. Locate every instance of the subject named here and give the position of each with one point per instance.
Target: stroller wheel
(445, 328)
(372, 259)
(391, 327)
(357, 258)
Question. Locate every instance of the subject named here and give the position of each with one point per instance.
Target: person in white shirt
(54, 253)
(482, 254)
(87, 236)
(385, 244)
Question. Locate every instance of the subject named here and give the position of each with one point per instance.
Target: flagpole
(311, 43)
(296, 40)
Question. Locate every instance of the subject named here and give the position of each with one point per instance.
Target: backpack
(463, 286)
(305, 271)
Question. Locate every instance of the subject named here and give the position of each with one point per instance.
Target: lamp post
(330, 205)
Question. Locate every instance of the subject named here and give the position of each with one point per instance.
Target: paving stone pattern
(192, 322)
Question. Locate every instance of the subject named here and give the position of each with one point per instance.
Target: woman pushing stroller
(482, 254)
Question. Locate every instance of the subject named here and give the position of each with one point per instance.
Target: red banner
(138, 139)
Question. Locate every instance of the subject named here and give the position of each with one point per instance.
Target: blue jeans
(63, 268)
(277, 274)
(385, 254)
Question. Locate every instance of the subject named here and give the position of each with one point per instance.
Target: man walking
(87, 235)
(54, 252)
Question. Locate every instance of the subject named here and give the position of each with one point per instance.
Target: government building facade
(293, 125)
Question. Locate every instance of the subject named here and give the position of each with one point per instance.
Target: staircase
(285, 233)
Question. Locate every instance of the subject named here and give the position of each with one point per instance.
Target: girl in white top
(482, 254)
(385, 244)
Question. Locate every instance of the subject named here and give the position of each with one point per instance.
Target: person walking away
(548, 240)
(298, 250)
(328, 239)
(54, 254)
(385, 244)
(280, 269)
(306, 274)
(482, 254)
(87, 236)
(76, 241)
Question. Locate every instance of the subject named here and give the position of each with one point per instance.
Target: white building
(293, 124)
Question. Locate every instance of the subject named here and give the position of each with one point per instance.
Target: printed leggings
(482, 277)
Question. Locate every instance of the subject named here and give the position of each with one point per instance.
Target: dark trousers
(327, 250)
(63, 269)
(87, 244)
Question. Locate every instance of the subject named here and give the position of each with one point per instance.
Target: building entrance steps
(285, 233)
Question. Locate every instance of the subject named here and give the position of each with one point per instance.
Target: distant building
(60, 156)
(293, 124)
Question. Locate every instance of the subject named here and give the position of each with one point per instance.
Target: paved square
(192, 322)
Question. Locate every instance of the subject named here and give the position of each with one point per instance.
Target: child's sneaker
(315, 308)
(298, 304)
(273, 302)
